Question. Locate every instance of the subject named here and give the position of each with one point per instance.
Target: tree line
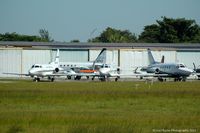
(167, 30)
(43, 37)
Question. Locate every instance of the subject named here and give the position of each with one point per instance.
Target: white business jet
(51, 70)
(85, 68)
(105, 72)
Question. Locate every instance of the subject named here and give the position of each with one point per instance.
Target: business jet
(197, 71)
(85, 68)
(51, 70)
(108, 71)
(178, 71)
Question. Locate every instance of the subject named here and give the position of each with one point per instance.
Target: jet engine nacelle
(157, 70)
(56, 69)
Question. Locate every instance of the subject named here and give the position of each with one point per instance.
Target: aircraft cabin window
(106, 66)
(181, 65)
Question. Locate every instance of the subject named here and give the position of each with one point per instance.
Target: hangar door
(30, 57)
(188, 58)
(170, 56)
(10, 62)
(111, 56)
(71, 55)
(131, 59)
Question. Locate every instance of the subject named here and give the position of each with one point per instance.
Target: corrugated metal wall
(19, 60)
(188, 58)
(131, 58)
(93, 54)
(170, 56)
(30, 57)
(10, 61)
(111, 56)
(76, 55)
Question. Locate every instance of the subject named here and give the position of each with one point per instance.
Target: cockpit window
(181, 65)
(105, 66)
(36, 66)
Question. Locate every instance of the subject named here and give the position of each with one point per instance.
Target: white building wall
(19, 61)
(111, 56)
(170, 56)
(188, 58)
(30, 57)
(71, 55)
(93, 54)
(130, 59)
(10, 62)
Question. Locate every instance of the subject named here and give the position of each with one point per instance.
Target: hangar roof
(63, 45)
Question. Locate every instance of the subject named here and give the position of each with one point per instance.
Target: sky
(67, 20)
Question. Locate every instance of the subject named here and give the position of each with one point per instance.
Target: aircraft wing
(198, 74)
(154, 75)
(87, 74)
(19, 74)
(73, 74)
(145, 75)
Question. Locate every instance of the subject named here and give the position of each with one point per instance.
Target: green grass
(113, 107)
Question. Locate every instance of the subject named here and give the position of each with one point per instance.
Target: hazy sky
(83, 19)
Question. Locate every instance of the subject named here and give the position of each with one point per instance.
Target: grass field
(113, 107)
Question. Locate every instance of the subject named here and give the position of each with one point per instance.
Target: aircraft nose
(30, 71)
(189, 70)
(103, 71)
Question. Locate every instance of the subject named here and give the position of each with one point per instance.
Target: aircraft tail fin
(57, 57)
(150, 57)
(101, 58)
(163, 59)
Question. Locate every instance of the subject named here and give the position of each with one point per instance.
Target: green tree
(169, 30)
(150, 34)
(17, 37)
(111, 35)
(44, 37)
(75, 41)
(44, 34)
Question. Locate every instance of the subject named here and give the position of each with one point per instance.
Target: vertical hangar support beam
(118, 57)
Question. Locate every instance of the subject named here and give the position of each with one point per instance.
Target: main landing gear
(77, 77)
(51, 79)
(161, 79)
(36, 79)
(180, 79)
